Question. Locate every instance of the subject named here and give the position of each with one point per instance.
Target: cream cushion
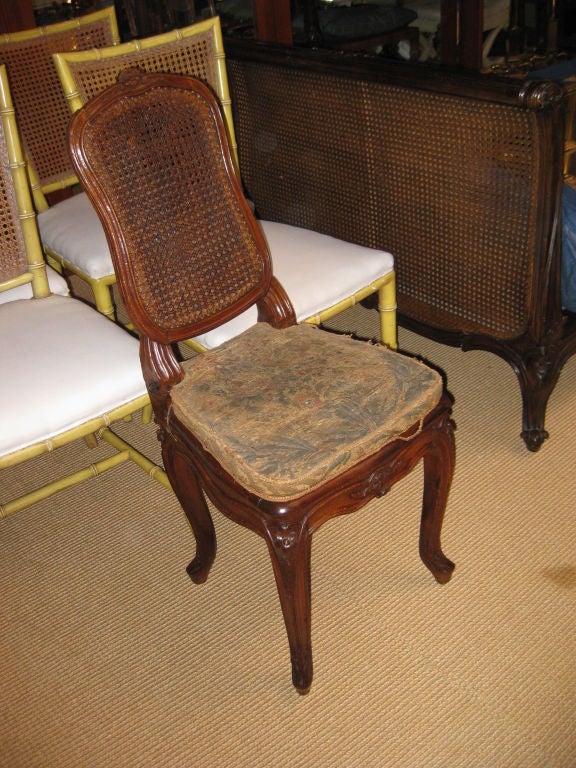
(64, 363)
(316, 271)
(56, 282)
(72, 229)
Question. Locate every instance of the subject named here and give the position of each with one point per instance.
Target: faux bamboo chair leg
(103, 299)
(387, 310)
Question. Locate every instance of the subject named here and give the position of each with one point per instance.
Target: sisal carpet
(111, 658)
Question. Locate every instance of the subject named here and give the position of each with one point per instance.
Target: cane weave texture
(183, 272)
(480, 186)
(13, 258)
(43, 114)
(195, 50)
(269, 404)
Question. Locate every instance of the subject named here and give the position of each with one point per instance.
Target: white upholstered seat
(68, 372)
(101, 374)
(72, 229)
(300, 258)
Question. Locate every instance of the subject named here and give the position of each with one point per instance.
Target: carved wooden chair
(286, 425)
(67, 372)
(321, 275)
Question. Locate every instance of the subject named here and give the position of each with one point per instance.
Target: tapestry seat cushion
(283, 411)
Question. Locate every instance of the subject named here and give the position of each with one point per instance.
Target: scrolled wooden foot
(439, 565)
(534, 438)
(198, 569)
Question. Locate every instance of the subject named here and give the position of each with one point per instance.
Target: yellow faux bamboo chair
(43, 114)
(321, 275)
(67, 372)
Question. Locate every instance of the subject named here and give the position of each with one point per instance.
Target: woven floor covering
(111, 657)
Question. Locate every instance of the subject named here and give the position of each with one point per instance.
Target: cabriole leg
(290, 549)
(438, 472)
(186, 486)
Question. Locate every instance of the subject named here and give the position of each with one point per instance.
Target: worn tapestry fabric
(283, 411)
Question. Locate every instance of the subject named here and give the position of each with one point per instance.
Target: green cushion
(283, 411)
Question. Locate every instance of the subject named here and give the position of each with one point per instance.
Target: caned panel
(42, 111)
(13, 259)
(428, 177)
(196, 255)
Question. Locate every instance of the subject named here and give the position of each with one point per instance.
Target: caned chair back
(195, 50)
(161, 147)
(21, 258)
(41, 108)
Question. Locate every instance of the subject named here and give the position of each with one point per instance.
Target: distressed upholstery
(285, 411)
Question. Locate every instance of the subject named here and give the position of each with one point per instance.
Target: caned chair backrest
(153, 155)
(41, 108)
(195, 50)
(21, 258)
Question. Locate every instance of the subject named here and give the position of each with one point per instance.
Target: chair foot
(439, 565)
(534, 438)
(198, 569)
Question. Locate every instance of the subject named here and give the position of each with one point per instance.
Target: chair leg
(186, 486)
(290, 549)
(387, 310)
(438, 472)
(103, 299)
